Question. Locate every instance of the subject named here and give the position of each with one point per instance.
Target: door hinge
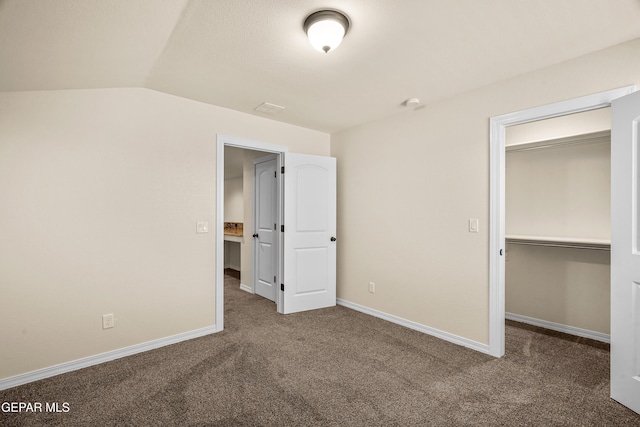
(282, 169)
(275, 174)
(274, 279)
(274, 226)
(282, 287)
(282, 228)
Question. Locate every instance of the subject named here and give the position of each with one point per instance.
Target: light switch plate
(473, 225)
(202, 227)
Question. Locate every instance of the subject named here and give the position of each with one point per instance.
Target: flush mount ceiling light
(326, 29)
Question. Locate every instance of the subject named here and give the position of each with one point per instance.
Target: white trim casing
(496, 237)
(497, 195)
(85, 362)
(219, 303)
(571, 330)
(455, 339)
(246, 288)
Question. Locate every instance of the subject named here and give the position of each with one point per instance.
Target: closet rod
(594, 246)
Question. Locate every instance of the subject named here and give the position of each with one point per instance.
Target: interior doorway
(306, 271)
(233, 211)
(244, 151)
(251, 216)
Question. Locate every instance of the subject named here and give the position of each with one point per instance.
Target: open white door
(309, 233)
(625, 252)
(265, 228)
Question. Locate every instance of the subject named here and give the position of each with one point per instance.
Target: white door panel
(625, 251)
(310, 229)
(265, 264)
(265, 238)
(309, 277)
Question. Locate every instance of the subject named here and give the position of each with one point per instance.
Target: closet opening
(499, 126)
(557, 224)
(251, 217)
(234, 214)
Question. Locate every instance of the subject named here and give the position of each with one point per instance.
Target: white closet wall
(233, 200)
(559, 193)
(560, 190)
(233, 212)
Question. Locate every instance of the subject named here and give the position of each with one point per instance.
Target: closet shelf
(590, 138)
(560, 242)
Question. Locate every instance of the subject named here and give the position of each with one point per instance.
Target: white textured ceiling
(240, 53)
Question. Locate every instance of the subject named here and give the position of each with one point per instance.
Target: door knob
(255, 234)
(333, 239)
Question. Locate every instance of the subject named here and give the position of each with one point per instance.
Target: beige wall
(408, 185)
(101, 191)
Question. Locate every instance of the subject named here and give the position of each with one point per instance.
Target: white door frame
(222, 141)
(497, 195)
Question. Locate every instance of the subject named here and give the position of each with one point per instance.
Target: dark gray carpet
(334, 367)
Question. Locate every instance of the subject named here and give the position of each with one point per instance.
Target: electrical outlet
(107, 321)
(372, 287)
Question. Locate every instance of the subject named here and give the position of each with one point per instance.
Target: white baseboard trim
(246, 288)
(102, 358)
(572, 330)
(455, 339)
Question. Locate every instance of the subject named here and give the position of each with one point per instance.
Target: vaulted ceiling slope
(240, 53)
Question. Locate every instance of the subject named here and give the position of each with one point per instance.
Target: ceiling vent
(268, 108)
